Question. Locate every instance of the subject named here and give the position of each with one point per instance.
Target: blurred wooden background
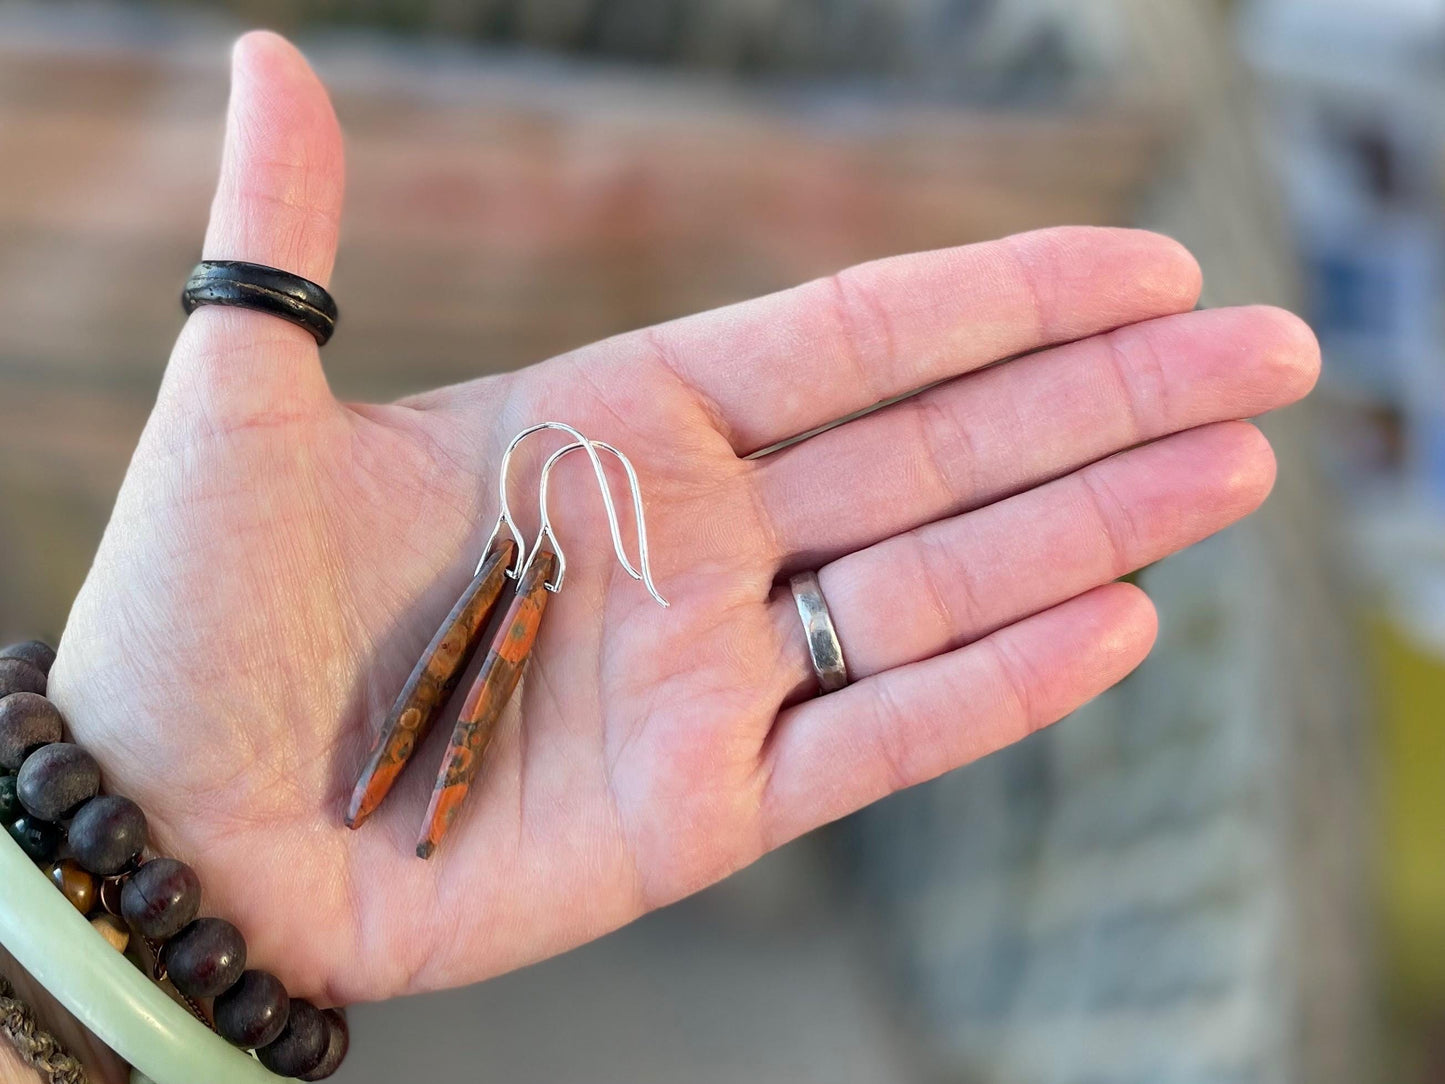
(498, 212)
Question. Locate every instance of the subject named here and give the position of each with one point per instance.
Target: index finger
(784, 364)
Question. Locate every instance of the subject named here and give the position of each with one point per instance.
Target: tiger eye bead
(57, 778)
(113, 930)
(302, 1044)
(19, 676)
(37, 653)
(160, 898)
(107, 833)
(9, 800)
(206, 958)
(75, 884)
(338, 1042)
(253, 1012)
(39, 839)
(27, 721)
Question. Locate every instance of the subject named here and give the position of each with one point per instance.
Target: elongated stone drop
(435, 677)
(497, 680)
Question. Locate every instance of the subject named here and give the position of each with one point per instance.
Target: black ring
(265, 289)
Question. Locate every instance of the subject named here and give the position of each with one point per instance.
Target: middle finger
(985, 436)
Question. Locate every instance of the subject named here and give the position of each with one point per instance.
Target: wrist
(82, 890)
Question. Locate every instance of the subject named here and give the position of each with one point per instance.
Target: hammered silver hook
(504, 516)
(546, 533)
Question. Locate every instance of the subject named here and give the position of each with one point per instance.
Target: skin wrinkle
(845, 296)
(1013, 672)
(926, 550)
(220, 433)
(423, 535)
(1028, 276)
(889, 732)
(1115, 520)
(584, 371)
(661, 351)
(1132, 360)
(932, 420)
(300, 209)
(765, 786)
(632, 874)
(436, 457)
(449, 933)
(218, 333)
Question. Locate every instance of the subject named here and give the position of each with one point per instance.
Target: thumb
(278, 202)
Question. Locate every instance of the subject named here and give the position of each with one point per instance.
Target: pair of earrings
(537, 572)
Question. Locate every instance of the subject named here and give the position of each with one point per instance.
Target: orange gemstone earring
(455, 643)
(542, 574)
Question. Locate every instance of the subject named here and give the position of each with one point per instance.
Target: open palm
(277, 560)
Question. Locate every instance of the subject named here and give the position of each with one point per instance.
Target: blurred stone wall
(1174, 885)
(1001, 50)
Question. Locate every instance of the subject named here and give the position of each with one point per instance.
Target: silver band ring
(823, 646)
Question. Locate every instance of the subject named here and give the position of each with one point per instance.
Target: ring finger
(949, 583)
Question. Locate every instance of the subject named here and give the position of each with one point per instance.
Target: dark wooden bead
(160, 898)
(19, 676)
(9, 800)
(27, 721)
(107, 833)
(77, 885)
(39, 839)
(56, 779)
(37, 653)
(253, 1012)
(301, 1045)
(206, 958)
(338, 1042)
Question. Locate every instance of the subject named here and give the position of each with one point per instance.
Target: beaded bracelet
(91, 846)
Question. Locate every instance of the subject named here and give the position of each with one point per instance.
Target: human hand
(277, 560)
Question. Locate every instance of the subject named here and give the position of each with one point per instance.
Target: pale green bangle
(133, 1016)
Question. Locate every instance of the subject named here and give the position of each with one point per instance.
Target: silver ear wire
(546, 533)
(639, 515)
(505, 514)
